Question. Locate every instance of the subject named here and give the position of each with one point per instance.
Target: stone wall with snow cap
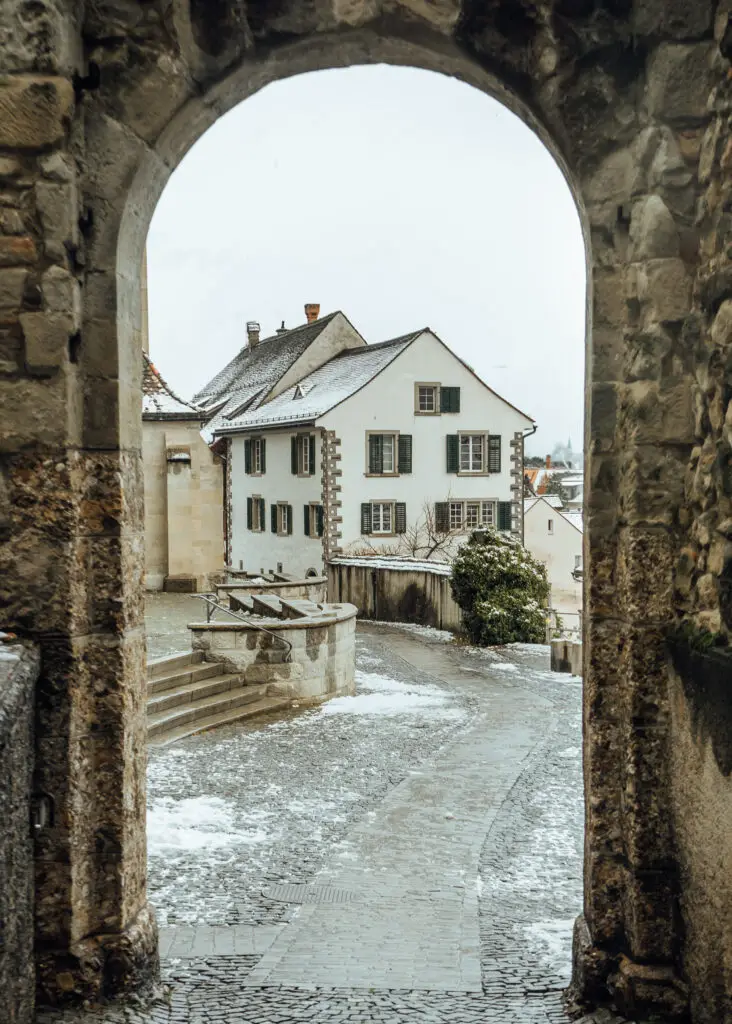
(321, 661)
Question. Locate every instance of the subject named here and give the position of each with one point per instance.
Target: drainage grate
(300, 892)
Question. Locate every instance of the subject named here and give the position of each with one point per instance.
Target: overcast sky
(402, 197)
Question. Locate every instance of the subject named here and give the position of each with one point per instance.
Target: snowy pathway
(411, 853)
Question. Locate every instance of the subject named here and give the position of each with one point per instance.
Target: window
(426, 398)
(551, 526)
(254, 456)
(283, 514)
(314, 520)
(577, 561)
(488, 513)
(389, 454)
(472, 515)
(255, 514)
(472, 451)
(456, 515)
(303, 455)
(381, 517)
(384, 517)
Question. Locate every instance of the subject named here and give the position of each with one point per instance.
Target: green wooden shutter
(273, 517)
(263, 454)
(366, 517)
(400, 517)
(376, 453)
(293, 455)
(250, 518)
(442, 516)
(289, 519)
(306, 520)
(453, 453)
(504, 515)
(449, 399)
(494, 453)
(405, 453)
(320, 520)
(312, 454)
(247, 456)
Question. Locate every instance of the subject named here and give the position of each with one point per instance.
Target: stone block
(12, 286)
(61, 293)
(675, 19)
(658, 414)
(679, 80)
(58, 208)
(46, 341)
(15, 250)
(35, 111)
(33, 412)
(101, 413)
(653, 232)
(664, 290)
(609, 305)
(646, 596)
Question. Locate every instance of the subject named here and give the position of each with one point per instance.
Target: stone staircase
(186, 695)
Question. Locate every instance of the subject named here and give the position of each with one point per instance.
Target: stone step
(165, 666)
(187, 714)
(266, 604)
(188, 692)
(187, 674)
(263, 706)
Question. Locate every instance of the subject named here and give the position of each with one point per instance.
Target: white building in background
(555, 538)
(335, 446)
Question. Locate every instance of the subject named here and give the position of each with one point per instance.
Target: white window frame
(313, 507)
(459, 508)
(257, 514)
(256, 456)
(488, 512)
(394, 454)
(304, 455)
(426, 386)
(470, 437)
(381, 505)
(282, 514)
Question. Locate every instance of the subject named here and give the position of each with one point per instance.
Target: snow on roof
(575, 518)
(323, 389)
(264, 364)
(394, 562)
(159, 401)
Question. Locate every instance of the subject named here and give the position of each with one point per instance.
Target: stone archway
(633, 100)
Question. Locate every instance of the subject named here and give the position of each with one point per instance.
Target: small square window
(426, 398)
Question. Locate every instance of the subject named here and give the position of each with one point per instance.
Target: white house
(555, 538)
(364, 450)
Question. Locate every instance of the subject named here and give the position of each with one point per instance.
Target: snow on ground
(387, 696)
(197, 823)
(551, 942)
(442, 636)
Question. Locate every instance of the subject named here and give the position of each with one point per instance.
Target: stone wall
(395, 595)
(18, 675)
(98, 104)
(321, 663)
(701, 788)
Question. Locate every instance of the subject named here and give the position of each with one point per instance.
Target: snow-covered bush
(501, 589)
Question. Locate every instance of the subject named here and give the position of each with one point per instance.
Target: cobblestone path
(410, 854)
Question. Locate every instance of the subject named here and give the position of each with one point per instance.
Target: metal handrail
(213, 605)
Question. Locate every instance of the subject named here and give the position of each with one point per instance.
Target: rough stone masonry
(98, 103)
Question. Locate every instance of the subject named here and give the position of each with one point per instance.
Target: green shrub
(502, 591)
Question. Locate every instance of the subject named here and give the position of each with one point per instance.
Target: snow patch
(197, 823)
(556, 939)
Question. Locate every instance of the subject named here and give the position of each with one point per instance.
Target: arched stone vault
(633, 98)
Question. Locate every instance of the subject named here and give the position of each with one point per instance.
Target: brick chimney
(312, 311)
(253, 330)
(548, 462)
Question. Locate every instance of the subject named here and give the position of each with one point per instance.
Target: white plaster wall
(558, 551)
(256, 551)
(191, 527)
(387, 404)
